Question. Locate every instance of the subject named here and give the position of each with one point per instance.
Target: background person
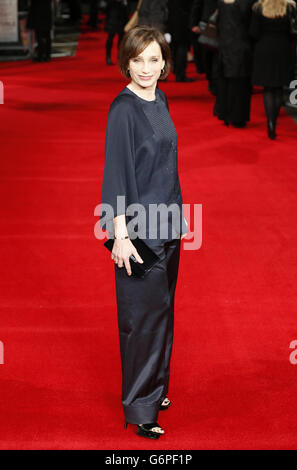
(274, 54)
(178, 27)
(234, 62)
(116, 19)
(40, 20)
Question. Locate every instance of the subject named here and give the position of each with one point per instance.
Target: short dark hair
(136, 40)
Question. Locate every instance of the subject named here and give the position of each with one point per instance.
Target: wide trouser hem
(142, 414)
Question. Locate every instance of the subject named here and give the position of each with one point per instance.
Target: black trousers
(234, 99)
(179, 55)
(109, 42)
(145, 319)
(44, 43)
(75, 9)
(93, 20)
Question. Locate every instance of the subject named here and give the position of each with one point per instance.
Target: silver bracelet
(127, 236)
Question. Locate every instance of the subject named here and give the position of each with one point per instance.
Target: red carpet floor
(232, 384)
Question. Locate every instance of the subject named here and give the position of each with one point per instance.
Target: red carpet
(232, 384)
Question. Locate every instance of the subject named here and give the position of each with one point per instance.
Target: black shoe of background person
(109, 61)
(271, 130)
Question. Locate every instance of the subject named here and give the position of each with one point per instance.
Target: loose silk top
(141, 165)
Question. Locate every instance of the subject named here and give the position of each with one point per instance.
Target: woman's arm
(119, 188)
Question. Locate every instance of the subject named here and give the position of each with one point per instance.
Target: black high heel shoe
(146, 430)
(271, 130)
(164, 407)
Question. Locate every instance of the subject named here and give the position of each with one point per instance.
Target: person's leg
(222, 100)
(270, 109)
(208, 61)
(42, 41)
(120, 37)
(269, 103)
(279, 101)
(180, 61)
(198, 56)
(213, 86)
(108, 46)
(38, 37)
(145, 324)
(48, 45)
(75, 10)
(93, 20)
(173, 52)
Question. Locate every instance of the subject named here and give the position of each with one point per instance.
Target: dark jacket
(116, 16)
(40, 15)
(179, 17)
(154, 13)
(235, 51)
(202, 11)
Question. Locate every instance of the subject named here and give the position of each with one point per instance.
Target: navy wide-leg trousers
(145, 319)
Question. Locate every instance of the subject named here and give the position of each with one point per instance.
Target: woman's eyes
(138, 60)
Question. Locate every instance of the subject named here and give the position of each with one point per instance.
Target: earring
(162, 71)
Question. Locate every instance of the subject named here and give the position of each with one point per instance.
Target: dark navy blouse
(141, 164)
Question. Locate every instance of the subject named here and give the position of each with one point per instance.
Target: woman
(274, 54)
(141, 165)
(40, 20)
(235, 62)
(116, 18)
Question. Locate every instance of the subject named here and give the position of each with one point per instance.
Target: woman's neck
(148, 93)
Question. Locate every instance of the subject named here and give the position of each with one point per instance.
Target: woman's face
(145, 69)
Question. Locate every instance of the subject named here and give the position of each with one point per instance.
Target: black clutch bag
(148, 256)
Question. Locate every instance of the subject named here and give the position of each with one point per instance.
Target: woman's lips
(145, 78)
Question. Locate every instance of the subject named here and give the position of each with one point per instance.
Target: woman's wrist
(121, 237)
(120, 228)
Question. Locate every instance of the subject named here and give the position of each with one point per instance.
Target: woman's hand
(121, 252)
